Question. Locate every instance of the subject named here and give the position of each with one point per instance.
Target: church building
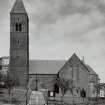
(45, 74)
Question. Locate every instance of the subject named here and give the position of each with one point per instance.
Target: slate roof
(45, 66)
(18, 7)
(53, 66)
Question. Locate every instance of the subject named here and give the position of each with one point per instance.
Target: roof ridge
(48, 60)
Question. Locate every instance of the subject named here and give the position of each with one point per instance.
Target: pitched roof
(91, 70)
(45, 66)
(74, 60)
(53, 66)
(18, 7)
(85, 65)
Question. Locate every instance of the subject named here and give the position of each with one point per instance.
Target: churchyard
(18, 97)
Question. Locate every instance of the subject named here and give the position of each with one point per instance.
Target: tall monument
(19, 45)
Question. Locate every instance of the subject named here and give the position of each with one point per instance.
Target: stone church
(42, 74)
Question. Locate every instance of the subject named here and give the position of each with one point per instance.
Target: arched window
(18, 41)
(17, 27)
(20, 27)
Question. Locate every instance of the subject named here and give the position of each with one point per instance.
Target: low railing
(86, 101)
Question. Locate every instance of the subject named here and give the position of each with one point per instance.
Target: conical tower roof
(18, 7)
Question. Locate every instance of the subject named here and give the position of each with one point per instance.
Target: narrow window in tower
(17, 27)
(18, 42)
(20, 27)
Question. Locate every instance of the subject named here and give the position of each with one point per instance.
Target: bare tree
(65, 85)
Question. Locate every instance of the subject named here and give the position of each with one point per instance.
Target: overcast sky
(58, 28)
